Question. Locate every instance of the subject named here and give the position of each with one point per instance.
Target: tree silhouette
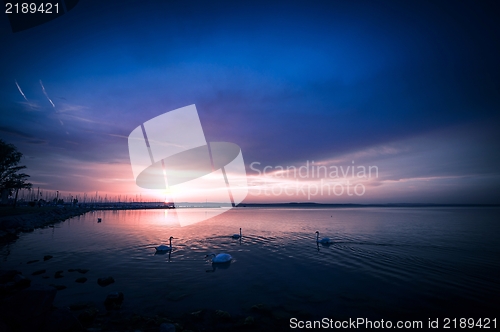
(10, 179)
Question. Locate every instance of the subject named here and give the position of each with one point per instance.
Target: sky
(410, 89)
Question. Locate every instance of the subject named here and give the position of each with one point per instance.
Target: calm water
(385, 262)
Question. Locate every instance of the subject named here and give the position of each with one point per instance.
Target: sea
(382, 263)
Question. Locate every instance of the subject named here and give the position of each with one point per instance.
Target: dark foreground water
(385, 262)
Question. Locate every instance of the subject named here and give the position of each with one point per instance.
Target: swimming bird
(324, 240)
(216, 266)
(237, 236)
(164, 247)
(220, 258)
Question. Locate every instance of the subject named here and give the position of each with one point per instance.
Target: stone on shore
(7, 275)
(12, 281)
(167, 327)
(223, 315)
(197, 315)
(249, 321)
(21, 281)
(27, 309)
(261, 308)
(62, 320)
(11, 225)
(80, 306)
(7, 236)
(87, 316)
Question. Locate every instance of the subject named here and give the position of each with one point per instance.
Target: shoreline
(25, 219)
(14, 221)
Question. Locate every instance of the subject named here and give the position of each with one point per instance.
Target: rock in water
(82, 271)
(114, 300)
(58, 287)
(103, 282)
(47, 257)
(38, 272)
(81, 280)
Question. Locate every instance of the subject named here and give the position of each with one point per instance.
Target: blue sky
(410, 87)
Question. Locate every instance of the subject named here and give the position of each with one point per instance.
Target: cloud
(16, 132)
(30, 105)
(37, 141)
(452, 165)
(21, 91)
(46, 95)
(81, 119)
(65, 107)
(120, 136)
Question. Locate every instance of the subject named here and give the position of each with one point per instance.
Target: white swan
(237, 236)
(220, 258)
(325, 240)
(164, 247)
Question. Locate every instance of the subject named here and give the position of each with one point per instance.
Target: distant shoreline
(329, 205)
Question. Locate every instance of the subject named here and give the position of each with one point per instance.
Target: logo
(170, 153)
